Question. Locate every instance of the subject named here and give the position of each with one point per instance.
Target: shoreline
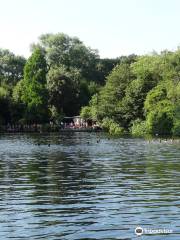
(50, 130)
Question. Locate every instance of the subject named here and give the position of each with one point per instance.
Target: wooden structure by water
(68, 124)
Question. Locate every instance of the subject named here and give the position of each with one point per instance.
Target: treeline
(63, 77)
(141, 97)
(60, 77)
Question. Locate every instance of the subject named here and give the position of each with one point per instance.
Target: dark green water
(78, 189)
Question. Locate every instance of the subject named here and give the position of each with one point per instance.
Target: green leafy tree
(34, 93)
(91, 112)
(11, 67)
(176, 125)
(114, 91)
(160, 120)
(70, 52)
(86, 113)
(63, 90)
(161, 109)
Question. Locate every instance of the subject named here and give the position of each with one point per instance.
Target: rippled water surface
(80, 188)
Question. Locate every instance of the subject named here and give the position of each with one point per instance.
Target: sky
(113, 27)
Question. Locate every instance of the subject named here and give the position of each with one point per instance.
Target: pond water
(80, 188)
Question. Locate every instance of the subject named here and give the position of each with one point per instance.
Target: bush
(139, 128)
(106, 123)
(85, 113)
(176, 128)
(160, 121)
(112, 127)
(115, 129)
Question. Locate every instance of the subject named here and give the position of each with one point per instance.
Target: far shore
(43, 128)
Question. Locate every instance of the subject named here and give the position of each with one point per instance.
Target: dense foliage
(63, 77)
(58, 79)
(141, 97)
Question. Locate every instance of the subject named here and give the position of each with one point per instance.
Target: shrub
(115, 129)
(176, 128)
(86, 113)
(160, 121)
(112, 127)
(139, 128)
(106, 123)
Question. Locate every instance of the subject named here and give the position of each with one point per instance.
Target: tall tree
(70, 52)
(113, 91)
(11, 67)
(63, 90)
(34, 93)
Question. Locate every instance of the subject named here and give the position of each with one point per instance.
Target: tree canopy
(142, 95)
(11, 67)
(64, 77)
(33, 88)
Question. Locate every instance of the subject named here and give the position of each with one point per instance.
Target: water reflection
(80, 189)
